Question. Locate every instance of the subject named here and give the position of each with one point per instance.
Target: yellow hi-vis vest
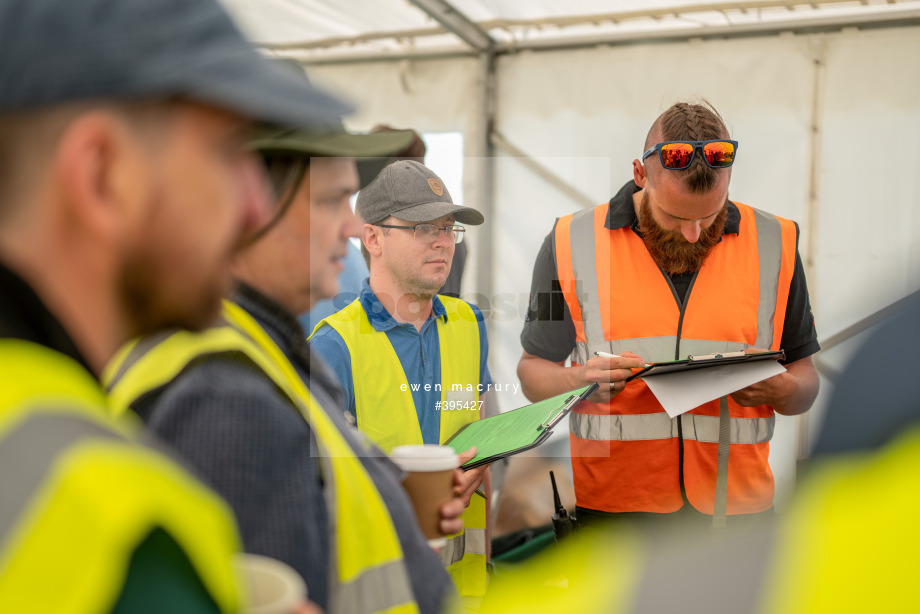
(386, 411)
(79, 494)
(369, 574)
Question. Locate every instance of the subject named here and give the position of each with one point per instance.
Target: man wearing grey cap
(125, 186)
(412, 363)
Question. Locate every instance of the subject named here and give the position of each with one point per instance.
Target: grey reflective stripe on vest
(634, 427)
(654, 349)
(471, 541)
(140, 349)
(584, 269)
(696, 347)
(724, 452)
(375, 590)
(770, 251)
(642, 427)
(27, 453)
(743, 430)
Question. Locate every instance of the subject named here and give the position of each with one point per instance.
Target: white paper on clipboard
(682, 391)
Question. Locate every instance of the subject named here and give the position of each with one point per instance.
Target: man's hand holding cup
(431, 482)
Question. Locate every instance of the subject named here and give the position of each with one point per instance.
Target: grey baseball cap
(412, 192)
(55, 51)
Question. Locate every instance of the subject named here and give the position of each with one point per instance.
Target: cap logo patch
(436, 186)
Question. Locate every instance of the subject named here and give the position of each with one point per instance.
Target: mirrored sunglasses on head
(678, 155)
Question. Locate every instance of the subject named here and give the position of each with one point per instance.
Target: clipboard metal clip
(700, 357)
(551, 421)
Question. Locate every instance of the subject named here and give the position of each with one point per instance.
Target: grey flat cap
(54, 51)
(412, 192)
(372, 152)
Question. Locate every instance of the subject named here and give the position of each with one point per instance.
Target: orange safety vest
(628, 455)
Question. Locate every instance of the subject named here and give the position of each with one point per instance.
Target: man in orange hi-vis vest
(668, 268)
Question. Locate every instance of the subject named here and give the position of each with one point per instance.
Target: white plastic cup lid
(425, 457)
(272, 587)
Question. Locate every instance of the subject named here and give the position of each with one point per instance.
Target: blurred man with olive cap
(261, 418)
(412, 363)
(125, 185)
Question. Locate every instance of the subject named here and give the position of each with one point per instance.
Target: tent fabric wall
(849, 102)
(869, 227)
(427, 95)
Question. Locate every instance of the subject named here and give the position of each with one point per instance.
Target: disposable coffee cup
(271, 587)
(430, 484)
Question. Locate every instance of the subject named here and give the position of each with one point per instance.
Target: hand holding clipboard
(699, 362)
(679, 387)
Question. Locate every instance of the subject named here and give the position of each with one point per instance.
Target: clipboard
(515, 431)
(704, 361)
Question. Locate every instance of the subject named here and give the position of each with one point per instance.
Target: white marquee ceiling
(318, 30)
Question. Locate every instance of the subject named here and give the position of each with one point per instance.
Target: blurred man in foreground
(125, 186)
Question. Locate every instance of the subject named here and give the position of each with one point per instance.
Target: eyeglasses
(428, 233)
(678, 155)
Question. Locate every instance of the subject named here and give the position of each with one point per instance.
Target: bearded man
(126, 184)
(670, 267)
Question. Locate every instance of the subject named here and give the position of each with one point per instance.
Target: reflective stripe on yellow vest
(79, 495)
(370, 575)
(386, 410)
(619, 301)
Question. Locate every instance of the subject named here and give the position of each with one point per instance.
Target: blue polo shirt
(418, 351)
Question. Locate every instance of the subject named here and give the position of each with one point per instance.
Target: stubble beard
(414, 283)
(423, 287)
(154, 287)
(151, 307)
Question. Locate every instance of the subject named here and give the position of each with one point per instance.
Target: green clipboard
(703, 362)
(517, 430)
